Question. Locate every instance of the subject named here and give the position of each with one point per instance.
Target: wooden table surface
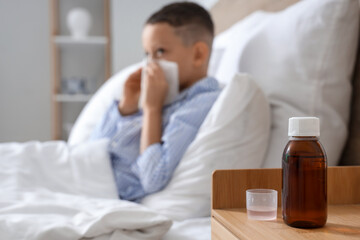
(343, 223)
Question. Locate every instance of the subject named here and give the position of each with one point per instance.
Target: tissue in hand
(172, 77)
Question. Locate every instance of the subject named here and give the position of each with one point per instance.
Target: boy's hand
(131, 93)
(156, 87)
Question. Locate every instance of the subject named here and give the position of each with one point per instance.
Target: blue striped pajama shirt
(139, 175)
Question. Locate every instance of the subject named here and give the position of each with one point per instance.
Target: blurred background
(54, 54)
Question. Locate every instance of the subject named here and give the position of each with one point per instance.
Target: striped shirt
(139, 175)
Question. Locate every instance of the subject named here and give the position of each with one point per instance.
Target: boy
(146, 145)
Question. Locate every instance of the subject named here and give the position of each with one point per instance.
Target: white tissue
(172, 77)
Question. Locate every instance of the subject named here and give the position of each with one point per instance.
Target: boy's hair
(191, 21)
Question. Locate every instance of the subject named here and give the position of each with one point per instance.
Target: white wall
(24, 70)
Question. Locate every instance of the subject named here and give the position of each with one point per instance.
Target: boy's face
(161, 42)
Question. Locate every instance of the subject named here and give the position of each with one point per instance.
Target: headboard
(238, 9)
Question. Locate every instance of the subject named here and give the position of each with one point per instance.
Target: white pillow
(302, 58)
(233, 135)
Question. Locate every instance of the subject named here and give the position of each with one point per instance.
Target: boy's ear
(201, 53)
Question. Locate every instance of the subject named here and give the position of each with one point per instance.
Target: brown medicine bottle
(304, 175)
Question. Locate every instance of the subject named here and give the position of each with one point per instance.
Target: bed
(270, 71)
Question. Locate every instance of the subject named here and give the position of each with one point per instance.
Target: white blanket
(53, 191)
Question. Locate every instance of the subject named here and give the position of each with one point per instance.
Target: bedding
(302, 58)
(67, 199)
(53, 191)
(190, 229)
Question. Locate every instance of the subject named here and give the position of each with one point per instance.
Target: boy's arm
(155, 92)
(131, 94)
(151, 128)
(120, 111)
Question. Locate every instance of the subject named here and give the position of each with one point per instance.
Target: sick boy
(147, 144)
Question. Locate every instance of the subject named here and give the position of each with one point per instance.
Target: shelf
(88, 57)
(72, 97)
(92, 40)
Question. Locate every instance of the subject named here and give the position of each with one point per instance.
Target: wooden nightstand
(228, 214)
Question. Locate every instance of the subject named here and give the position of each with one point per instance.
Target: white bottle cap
(304, 126)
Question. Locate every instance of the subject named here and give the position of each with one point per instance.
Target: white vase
(79, 22)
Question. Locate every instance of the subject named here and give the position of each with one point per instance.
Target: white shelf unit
(73, 97)
(91, 40)
(87, 58)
